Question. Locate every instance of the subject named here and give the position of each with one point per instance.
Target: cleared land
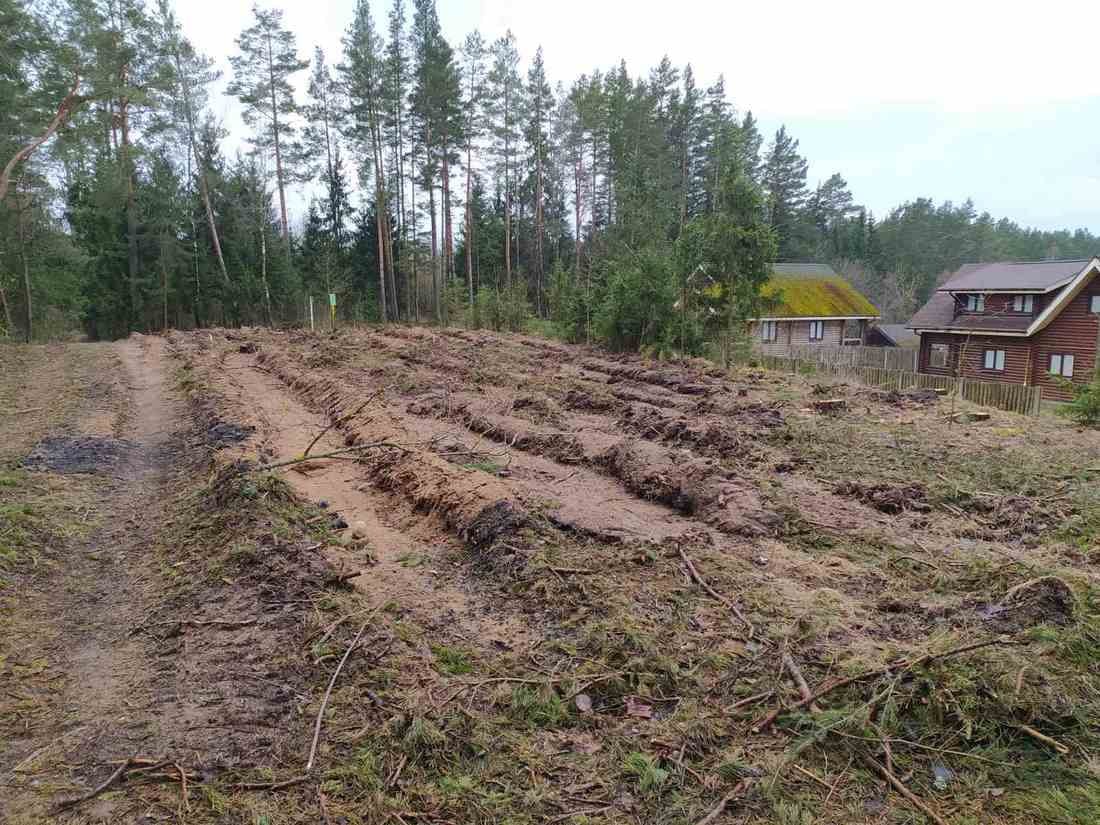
(595, 589)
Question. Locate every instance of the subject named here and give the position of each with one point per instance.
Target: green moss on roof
(815, 292)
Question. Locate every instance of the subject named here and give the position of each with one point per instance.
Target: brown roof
(1013, 276)
(939, 313)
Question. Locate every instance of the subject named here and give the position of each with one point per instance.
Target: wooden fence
(1009, 397)
(889, 358)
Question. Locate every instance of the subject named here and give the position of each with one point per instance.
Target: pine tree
(473, 78)
(506, 111)
(364, 79)
(539, 106)
(263, 68)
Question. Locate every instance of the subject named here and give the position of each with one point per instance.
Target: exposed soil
(584, 578)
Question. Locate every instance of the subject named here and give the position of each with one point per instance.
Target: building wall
(971, 349)
(796, 333)
(1074, 331)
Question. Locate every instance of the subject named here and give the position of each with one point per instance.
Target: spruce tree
(785, 191)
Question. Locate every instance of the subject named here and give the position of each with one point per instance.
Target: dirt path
(97, 700)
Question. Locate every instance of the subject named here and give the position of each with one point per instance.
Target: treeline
(450, 185)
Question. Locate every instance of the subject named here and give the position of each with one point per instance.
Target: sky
(948, 99)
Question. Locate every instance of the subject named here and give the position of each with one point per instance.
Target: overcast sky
(949, 99)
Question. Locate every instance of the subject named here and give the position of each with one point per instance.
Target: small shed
(892, 335)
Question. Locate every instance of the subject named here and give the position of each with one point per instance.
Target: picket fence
(1009, 397)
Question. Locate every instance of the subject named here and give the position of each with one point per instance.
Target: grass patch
(452, 660)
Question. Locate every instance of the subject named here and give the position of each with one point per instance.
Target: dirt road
(106, 657)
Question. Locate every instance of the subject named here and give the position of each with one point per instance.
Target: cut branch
(714, 593)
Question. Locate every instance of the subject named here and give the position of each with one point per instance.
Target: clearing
(553, 585)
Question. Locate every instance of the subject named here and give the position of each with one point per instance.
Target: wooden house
(806, 304)
(1021, 322)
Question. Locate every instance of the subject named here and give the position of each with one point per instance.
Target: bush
(1085, 406)
(504, 309)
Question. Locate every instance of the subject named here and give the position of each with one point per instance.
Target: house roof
(939, 312)
(807, 290)
(1014, 276)
(899, 334)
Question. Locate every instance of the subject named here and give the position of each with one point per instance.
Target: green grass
(452, 660)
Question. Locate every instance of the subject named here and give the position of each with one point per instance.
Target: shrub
(1085, 406)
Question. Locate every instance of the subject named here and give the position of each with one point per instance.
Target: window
(1094, 304)
(975, 303)
(1023, 303)
(769, 330)
(1061, 364)
(995, 359)
(817, 330)
(938, 355)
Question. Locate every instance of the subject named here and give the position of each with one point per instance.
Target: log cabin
(805, 304)
(1020, 322)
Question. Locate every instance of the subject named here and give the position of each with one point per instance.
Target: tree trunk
(445, 192)
(383, 304)
(9, 326)
(164, 291)
(414, 291)
(263, 257)
(284, 224)
(469, 224)
(538, 229)
(26, 273)
(435, 258)
(578, 177)
(132, 263)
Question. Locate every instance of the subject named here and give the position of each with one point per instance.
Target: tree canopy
(444, 184)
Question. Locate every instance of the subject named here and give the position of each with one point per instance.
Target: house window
(817, 330)
(1023, 303)
(1094, 304)
(938, 355)
(1061, 364)
(769, 330)
(995, 359)
(975, 303)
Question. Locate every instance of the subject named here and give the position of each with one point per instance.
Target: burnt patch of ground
(80, 454)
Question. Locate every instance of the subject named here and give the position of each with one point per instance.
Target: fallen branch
(836, 684)
(24, 412)
(358, 447)
(1042, 737)
(899, 786)
(738, 790)
(336, 420)
(714, 593)
(749, 700)
(800, 680)
(92, 794)
(328, 693)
